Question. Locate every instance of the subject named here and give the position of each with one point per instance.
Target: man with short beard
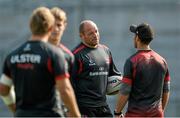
(93, 65)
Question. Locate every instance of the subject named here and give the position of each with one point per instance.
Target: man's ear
(137, 38)
(81, 35)
(65, 25)
(50, 29)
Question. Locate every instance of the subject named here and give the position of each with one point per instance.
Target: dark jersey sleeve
(68, 56)
(112, 70)
(127, 78)
(128, 72)
(166, 86)
(60, 65)
(71, 63)
(74, 72)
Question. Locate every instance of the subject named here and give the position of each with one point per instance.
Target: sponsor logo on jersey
(101, 68)
(25, 58)
(97, 73)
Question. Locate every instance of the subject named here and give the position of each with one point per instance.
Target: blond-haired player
(37, 70)
(56, 37)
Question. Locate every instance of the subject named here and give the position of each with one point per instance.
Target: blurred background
(113, 17)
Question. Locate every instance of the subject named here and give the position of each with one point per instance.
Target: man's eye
(59, 25)
(90, 33)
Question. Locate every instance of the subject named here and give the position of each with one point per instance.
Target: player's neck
(89, 45)
(43, 38)
(143, 47)
(55, 42)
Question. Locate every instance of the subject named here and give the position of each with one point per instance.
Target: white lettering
(97, 73)
(26, 58)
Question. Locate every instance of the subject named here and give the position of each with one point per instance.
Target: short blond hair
(41, 21)
(59, 14)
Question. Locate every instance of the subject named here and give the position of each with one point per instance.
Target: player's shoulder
(78, 49)
(103, 46)
(65, 50)
(51, 50)
(17, 49)
(132, 57)
(158, 56)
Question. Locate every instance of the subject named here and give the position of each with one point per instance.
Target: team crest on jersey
(91, 62)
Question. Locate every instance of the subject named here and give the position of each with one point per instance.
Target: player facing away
(37, 69)
(56, 36)
(93, 65)
(146, 81)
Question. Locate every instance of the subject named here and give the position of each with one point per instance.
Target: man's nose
(57, 28)
(95, 35)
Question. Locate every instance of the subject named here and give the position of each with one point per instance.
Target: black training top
(91, 70)
(34, 67)
(146, 76)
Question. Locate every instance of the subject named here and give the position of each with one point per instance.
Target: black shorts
(103, 111)
(36, 113)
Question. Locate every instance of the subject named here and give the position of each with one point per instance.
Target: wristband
(6, 80)
(117, 113)
(10, 98)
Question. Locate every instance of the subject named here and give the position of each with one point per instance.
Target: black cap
(144, 32)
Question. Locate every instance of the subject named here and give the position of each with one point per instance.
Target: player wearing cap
(93, 65)
(146, 80)
(37, 69)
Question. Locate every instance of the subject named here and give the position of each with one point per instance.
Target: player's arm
(6, 93)
(68, 96)
(125, 88)
(63, 84)
(113, 70)
(121, 102)
(122, 98)
(165, 99)
(166, 91)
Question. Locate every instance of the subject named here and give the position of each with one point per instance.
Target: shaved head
(84, 22)
(89, 33)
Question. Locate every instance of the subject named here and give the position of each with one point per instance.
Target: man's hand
(119, 116)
